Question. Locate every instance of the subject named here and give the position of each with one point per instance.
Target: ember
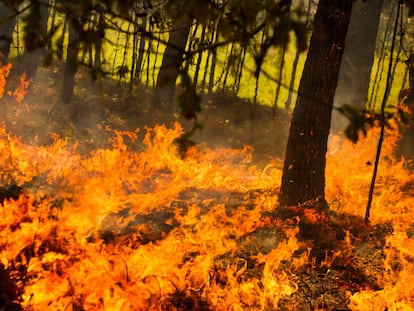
(133, 226)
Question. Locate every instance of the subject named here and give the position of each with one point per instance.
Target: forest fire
(133, 226)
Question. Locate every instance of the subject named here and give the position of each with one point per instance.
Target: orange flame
(21, 89)
(4, 73)
(133, 226)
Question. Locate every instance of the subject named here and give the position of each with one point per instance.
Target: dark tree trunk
(199, 57)
(355, 73)
(239, 71)
(405, 147)
(141, 50)
(71, 61)
(156, 52)
(7, 24)
(279, 78)
(36, 38)
(292, 81)
(134, 55)
(295, 64)
(230, 61)
(381, 52)
(303, 179)
(215, 38)
(171, 62)
(98, 45)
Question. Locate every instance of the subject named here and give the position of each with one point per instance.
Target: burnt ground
(226, 122)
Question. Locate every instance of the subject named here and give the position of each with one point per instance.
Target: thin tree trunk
(207, 68)
(141, 49)
(239, 71)
(356, 66)
(122, 70)
(134, 55)
(295, 64)
(98, 44)
(118, 38)
(372, 98)
(279, 79)
(228, 65)
(199, 57)
(213, 64)
(292, 81)
(71, 61)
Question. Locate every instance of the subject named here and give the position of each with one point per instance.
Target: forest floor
(226, 122)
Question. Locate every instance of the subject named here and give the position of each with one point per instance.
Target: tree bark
(358, 59)
(215, 38)
(36, 36)
(71, 61)
(171, 62)
(141, 50)
(7, 24)
(303, 179)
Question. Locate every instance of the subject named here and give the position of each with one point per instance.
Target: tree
(172, 61)
(303, 179)
(71, 60)
(36, 36)
(7, 24)
(358, 59)
(405, 147)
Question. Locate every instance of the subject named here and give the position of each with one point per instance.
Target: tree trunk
(141, 50)
(295, 63)
(199, 57)
(355, 73)
(405, 147)
(280, 78)
(134, 54)
(36, 37)
(7, 24)
(381, 53)
(98, 45)
(239, 71)
(171, 62)
(215, 38)
(71, 61)
(230, 61)
(303, 179)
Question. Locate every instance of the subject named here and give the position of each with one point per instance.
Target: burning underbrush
(131, 225)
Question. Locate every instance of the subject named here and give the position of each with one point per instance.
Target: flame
(21, 90)
(70, 255)
(133, 226)
(4, 73)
